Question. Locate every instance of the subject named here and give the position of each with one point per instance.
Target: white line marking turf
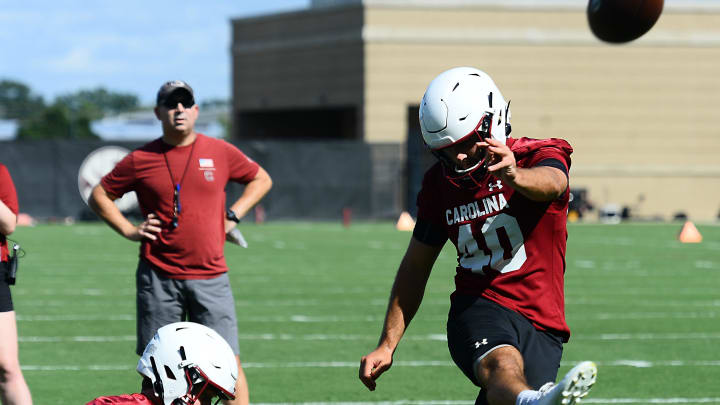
(54, 339)
(443, 402)
(342, 337)
(301, 318)
(355, 364)
(62, 318)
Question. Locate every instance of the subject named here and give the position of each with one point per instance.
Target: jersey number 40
(499, 245)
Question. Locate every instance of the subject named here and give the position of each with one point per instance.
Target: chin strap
(157, 385)
(508, 127)
(469, 180)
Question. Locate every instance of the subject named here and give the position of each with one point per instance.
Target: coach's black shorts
(6, 304)
(476, 326)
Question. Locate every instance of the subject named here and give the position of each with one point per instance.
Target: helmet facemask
(198, 382)
(469, 177)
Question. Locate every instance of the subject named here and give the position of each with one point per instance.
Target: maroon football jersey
(127, 399)
(510, 249)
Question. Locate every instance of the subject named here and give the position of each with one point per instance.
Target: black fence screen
(312, 180)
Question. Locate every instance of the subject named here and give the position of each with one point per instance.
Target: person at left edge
(13, 388)
(180, 181)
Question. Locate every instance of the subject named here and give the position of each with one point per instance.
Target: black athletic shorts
(6, 304)
(476, 326)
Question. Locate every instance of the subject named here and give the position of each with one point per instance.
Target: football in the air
(619, 21)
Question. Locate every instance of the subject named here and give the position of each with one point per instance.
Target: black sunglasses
(183, 98)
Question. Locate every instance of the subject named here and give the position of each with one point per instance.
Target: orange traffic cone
(405, 222)
(689, 234)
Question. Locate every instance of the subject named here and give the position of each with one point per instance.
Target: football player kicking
(185, 363)
(503, 203)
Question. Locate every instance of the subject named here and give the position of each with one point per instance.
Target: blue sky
(62, 46)
(59, 47)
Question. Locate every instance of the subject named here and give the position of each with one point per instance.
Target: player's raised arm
(405, 298)
(539, 183)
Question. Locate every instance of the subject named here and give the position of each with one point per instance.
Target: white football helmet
(186, 355)
(460, 103)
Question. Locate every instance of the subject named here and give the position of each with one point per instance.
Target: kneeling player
(185, 363)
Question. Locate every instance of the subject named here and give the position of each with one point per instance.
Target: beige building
(644, 118)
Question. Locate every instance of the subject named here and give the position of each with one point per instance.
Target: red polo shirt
(193, 250)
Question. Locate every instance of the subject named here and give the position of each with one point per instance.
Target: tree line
(68, 116)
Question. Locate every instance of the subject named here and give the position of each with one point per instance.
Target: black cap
(168, 88)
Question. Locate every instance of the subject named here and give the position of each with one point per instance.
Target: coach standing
(180, 181)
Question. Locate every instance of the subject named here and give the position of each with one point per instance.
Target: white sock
(527, 397)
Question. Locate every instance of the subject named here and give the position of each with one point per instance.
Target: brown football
(618, 21)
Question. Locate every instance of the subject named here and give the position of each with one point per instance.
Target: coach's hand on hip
(149, 229)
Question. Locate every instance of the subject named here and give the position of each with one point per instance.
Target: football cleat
(572, 388)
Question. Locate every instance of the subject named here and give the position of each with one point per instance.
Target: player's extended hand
(373, 365)
(149, 229)
(501, 160)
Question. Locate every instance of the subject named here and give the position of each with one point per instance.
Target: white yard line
(397, 402)
(651, 401)
(302, 318)
(647, 336)
(445, 402)
(53, 339)
(71, 317)
(355, 364)
(346, 337)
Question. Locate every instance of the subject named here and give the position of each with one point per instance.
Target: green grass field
(311, 297)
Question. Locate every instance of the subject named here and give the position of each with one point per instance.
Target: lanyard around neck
(176, 186)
